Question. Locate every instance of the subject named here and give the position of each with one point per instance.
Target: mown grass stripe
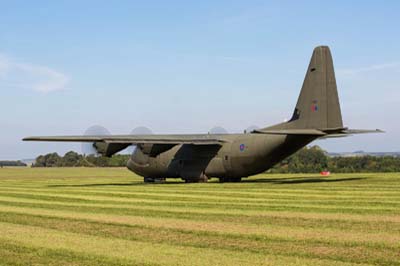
(213, 190)
(303, 185)
(137, 251)
(63, 196)
(290, 231)
(350, 252)
(216, 190)
(247, 206)
(198, 209)
(258, 219)
(16, 254)
(380, 222)
(156, 230)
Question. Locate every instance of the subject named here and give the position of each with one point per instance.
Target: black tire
(203, 179)
(230, 179)
(148, 180)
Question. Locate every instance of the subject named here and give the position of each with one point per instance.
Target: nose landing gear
(230, 179)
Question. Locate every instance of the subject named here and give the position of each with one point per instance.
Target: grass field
(109, 217)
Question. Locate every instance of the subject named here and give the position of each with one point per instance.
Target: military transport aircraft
(230, 157)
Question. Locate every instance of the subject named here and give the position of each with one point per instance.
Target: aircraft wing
(136, 139)
(107, 145)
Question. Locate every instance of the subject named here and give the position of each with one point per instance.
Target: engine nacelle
(109, 149)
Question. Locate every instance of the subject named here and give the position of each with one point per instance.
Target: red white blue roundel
(314, 106)
(242, 147)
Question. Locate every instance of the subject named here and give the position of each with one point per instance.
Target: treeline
(307, 160)
(314, 160)
(73, 159)
(11, 163)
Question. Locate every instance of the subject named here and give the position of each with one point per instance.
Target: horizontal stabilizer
(362, 131)
(349, 132)
(321, 133)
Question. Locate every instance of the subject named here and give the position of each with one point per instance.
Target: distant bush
(12, 163)
(314, 160)
(73, 159)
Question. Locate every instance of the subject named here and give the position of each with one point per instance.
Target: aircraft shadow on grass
(301, 180)
(105, 184)
(277, 181)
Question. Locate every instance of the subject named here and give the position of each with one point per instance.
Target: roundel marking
(242, 147)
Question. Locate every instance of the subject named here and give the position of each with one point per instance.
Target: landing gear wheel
(148, 180)
(202, 179)
(230, 179)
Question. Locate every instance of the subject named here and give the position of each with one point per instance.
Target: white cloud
(353, 71)
(23, 75)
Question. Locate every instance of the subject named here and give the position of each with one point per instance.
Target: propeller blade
(218, 130)
(96, 130)
(139, 131)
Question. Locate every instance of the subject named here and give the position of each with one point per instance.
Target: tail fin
(318, 104)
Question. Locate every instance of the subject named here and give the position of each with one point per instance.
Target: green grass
(104, 216)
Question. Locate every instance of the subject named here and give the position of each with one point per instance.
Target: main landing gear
(230, 179)
(202, 179)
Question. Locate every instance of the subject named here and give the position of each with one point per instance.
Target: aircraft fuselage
(240, 156)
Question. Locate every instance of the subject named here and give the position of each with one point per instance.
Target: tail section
(318, 104)
(317, 111)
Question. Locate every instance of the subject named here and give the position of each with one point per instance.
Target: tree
(48, 160)
(71, 159)
(306, 160)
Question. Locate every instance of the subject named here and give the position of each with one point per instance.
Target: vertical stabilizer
(318, 104)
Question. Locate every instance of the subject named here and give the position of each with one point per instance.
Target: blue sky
(185, 67)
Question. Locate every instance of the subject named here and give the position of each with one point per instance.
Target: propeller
(218, 130)
(251, 128)
(88, 148)
(139, 131)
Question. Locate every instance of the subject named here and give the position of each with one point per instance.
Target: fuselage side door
(226, 155)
